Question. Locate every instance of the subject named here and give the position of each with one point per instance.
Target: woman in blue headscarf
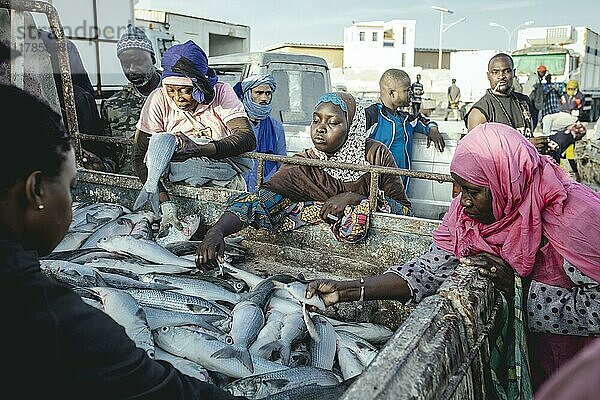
(299, 195)
(256, 92)
(193, 126)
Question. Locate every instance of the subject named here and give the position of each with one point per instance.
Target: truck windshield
(229, 75)
(528, 63)
(296, 95)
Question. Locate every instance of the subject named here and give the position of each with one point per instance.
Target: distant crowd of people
(516, 216)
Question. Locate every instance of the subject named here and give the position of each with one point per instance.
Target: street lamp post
(444, 28)
(510, 33)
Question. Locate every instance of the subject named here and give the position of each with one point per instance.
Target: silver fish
(194, 287)
(71, 273)
(186, 367)
(349, 362)
(298, 292)
(322, 353)
(158, 318)
(373, 333)
(310, 325)
(251, 279)
(72, 241)
(119, 227)
(161, 148)
(268, 334)
(94, 303)
(124, 309)
(313, 392)
(134, 268)
(266, 385)
(248, 319)
(292, 330)
(98, 211)
(365, 351)
(176, 301)
(285, 305)
(147, 249)
(198, 347)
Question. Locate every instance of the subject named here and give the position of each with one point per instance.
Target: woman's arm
(260, 209)
(241, 140)
(572, 311)
(419, 278)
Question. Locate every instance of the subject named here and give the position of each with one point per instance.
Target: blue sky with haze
(273, 22)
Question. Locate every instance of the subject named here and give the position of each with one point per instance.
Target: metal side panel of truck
(301, 79)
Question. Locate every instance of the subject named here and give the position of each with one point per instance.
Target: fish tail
(145, 197)
(267, 350)
(231, 352)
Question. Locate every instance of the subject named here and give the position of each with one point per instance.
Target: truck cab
(568, 53)
(301, 80)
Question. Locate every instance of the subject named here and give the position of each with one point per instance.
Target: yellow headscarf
(572, 84)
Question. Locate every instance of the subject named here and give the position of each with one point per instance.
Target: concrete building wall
(428, 58)
(215, 37)
(380, 44)
(333, 54)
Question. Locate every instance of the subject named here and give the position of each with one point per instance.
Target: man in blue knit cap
(256, 92)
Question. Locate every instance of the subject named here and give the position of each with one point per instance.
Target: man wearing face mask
(256, 92)
(503, 105)
(121, 112)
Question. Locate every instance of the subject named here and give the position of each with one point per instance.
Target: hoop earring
(40, 207)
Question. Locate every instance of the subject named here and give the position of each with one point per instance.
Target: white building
(380, 44)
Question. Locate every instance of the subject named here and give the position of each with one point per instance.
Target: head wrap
(134, 38)
(542, 68)
(188, 60)
(532, 197)
(572, 83)
(353, 151)
(244, 91)
(266, 137)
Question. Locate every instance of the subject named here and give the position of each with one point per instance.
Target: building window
(374, 36)
(403, 59)
(388, 44)
(403, 35)
(361, 36)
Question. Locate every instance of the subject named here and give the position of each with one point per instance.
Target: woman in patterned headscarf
(298, 195)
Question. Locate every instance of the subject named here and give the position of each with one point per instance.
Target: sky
(273, 22)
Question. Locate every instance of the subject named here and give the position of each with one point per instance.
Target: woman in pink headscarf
(527, 226)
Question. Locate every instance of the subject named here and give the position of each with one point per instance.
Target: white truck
(95, 26)
(568, 52)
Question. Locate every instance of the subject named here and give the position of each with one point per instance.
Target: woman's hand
(327, 289)
(211, 251)
(187, 148)
(334, 206)
(494, 268)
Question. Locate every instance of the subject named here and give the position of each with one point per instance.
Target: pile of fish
(253, 336)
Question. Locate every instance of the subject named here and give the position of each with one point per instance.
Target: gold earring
(40, 207)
